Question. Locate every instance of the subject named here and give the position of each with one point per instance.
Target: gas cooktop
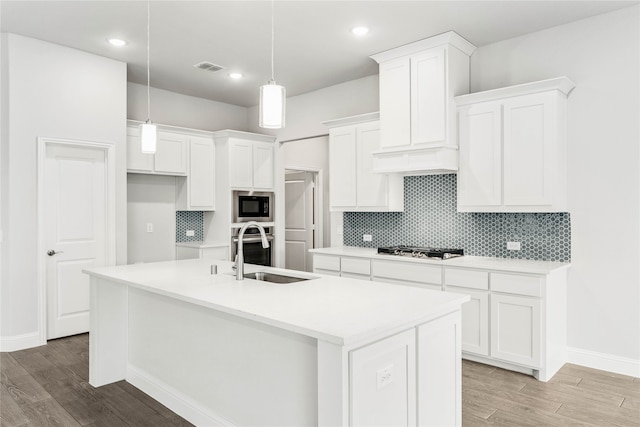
(418, 252)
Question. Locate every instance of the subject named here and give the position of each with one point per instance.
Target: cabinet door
(428, 97)
(137, 161)
(241, 164)
(439, 372)
(475, 321)
(480, 170)
(201, 179)
(382, 382)
(515, 329)
(372, 188)
(342, 160)
(530, 126)
(171, 154)
(395, 103)
(263, 165)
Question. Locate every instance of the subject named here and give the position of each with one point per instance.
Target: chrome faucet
(239, 267)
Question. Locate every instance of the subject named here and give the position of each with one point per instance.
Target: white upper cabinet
(251, 164)
(513, 148)
(248, 159)
(354, 185)
(170, 157)
(418, 82)
(196, 192)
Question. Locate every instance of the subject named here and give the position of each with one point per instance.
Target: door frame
(319, 200)
(109, 149)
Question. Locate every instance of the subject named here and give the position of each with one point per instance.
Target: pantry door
(299, 220)
(76, 203)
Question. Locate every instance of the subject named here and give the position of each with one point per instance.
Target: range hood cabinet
(418, 82)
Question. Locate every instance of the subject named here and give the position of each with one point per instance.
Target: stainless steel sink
(273, 277)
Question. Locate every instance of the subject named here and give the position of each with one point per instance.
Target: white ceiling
(313, 44)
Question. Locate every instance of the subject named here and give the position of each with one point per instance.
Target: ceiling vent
(208, 66)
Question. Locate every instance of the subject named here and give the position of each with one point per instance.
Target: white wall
(175, 109)
(305, 113)
(601, 55)
(312, 153)
(53, 91)
(151, 199)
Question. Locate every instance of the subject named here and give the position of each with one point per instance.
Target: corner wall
(601, 56)
(52, 91)
(175, 109)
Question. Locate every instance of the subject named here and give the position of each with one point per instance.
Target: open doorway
(303, 217)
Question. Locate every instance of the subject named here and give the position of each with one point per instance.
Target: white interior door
(75, 230)
(299, 220)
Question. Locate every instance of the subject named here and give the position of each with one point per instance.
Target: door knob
(51, 252)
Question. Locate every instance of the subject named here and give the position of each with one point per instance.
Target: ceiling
(314, 47)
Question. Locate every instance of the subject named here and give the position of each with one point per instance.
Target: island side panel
(439, 360)
(217, 369)
(107, 332)
(333, 385)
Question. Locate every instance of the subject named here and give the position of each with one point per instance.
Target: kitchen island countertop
(338, 310)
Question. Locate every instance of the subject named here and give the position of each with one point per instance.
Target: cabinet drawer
(326, 262)
(516, 284)
(466, 278)
(414, 272)
(356, 265)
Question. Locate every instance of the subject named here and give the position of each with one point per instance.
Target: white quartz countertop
(343, 311)
(475, 262)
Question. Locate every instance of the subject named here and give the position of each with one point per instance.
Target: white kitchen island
(326, 351)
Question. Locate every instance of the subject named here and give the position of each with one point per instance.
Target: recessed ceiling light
(117, 42)
(360, 31)
(236, 75)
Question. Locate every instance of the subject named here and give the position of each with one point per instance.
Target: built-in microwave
(252, 206)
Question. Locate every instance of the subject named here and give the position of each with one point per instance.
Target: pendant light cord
(148, 61)
(272, 42)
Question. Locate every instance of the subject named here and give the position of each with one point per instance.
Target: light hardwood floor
(47, 386)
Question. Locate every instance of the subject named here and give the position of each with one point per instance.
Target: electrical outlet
(513, 246)
(149, 227)
(190, 233)
(367, 238)
(384, 377)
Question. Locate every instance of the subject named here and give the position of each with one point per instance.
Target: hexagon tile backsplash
(430, 219)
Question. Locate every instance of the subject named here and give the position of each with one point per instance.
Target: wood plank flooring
(48, 386)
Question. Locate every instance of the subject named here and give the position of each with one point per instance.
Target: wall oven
(252, 206)
(254, 253)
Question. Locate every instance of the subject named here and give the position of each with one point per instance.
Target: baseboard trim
(20, 342)
(604, 362)
(174, 399)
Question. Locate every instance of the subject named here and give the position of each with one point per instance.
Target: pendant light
(148, 131)
(272, 97)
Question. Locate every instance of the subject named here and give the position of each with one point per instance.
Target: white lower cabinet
(475, 320)
(515, 320)
(382, 382)
(515, 329)
(411, 378)
(407, 273)
(350, 267)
